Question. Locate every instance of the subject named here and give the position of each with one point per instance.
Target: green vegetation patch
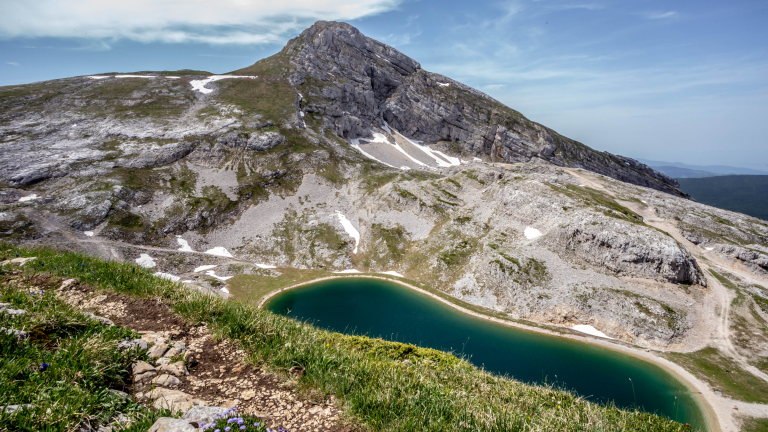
(271, 98)
(67, 365)
(374, 390)
(722, 374)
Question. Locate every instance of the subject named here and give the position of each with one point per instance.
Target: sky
(677, 81)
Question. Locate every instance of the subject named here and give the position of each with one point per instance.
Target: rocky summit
(341, 154)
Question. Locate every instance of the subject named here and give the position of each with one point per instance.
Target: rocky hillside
(353, 83)
(341, 154)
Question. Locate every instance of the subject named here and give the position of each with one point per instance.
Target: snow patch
(348, 271)
(135, 76)
(98, 77)
(441, 158)
(588, 329)
(265, 266)
(219, 251)
(88, 233)
(172, 77)
(199, 85)
(380, 138)
(392, 273)
(224, 290)
(709, 248)
(28, 198)
(184, 244)
(355, 143)
(145, 261)
(350, 229)
(531, 233)
(444, 84)
(168, 276)
(203, 268)
(476, 159)
(213, 274)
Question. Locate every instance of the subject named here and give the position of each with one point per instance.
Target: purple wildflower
(242, 427)
(227, 429)
(256, 424)
(217, 430)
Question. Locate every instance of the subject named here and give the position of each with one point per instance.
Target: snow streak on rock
(588, 329)
(219, 251)
(145, 261)
(184, 245)
(168, 276)
(213, 274)
(199, 85)
(204, 268)
(532, 233)
(350, 229)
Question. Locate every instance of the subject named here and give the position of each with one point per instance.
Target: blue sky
(664, 80)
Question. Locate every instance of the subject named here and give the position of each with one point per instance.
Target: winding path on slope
(721, 339)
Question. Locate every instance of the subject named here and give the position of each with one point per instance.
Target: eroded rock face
(355, 83)
(625, 249)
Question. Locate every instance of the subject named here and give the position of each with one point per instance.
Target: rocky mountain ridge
(339, 154)
(356, 83)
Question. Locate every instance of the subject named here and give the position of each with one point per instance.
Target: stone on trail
(203, 414)
(166, 380)
(140, 367)
(176, 369)
(170, 424)
(178, 348)
(13, 312)
(17, 261)
(137, 344)
(158, 350)
(163, 361)
(20, 334)
(102, 320)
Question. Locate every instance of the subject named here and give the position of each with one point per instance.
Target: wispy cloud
(661, 15)
(12, 63)
(225, 22)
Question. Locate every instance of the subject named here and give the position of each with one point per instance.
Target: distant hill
(712, 169)
(746, 194)
(678, 173)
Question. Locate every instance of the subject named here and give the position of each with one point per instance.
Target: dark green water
(383, 309)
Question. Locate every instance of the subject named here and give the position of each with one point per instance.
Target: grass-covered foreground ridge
(433, 391)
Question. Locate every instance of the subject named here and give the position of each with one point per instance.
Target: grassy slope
(436, 392)
(746, 194)
(83, 358)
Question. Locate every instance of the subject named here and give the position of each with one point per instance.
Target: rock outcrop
(355, 83)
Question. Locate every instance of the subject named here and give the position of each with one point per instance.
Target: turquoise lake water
(384, 309)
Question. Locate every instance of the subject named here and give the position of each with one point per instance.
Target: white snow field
(204, 268)
(200, 85)
(168, 276)
(145, 261)
(88, 233)
(219, 251)
(392, 273)
(265, 266)
(588, 329)
(348, 271)
(28, 198)
(213, 274)
(185, 247)
(531, 233)
(349, 228)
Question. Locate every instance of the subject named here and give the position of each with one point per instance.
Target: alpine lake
(379, 308)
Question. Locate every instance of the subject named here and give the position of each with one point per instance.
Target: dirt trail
(721, 338)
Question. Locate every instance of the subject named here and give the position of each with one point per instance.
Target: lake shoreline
(702, 395)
